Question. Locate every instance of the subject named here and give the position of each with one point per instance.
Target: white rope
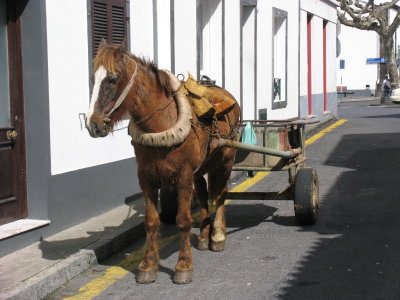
(125, 92)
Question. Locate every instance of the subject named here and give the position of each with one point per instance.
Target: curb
(47, 281)
(359, 100)
(310, 130)
(50, 279)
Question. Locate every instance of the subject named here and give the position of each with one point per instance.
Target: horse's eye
(113, 78)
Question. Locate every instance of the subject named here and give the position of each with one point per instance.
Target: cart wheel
(306, 196)
(168, 204)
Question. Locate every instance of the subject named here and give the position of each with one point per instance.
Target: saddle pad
(207, 101)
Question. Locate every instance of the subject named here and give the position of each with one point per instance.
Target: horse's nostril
(95, 128)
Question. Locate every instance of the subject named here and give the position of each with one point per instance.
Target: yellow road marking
(113, 274)
(325, 131)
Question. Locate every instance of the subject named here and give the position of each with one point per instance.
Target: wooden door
(12, 139)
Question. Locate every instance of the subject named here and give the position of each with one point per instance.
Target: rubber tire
(306, 196)
(168, 204)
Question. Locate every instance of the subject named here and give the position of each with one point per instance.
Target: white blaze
(99, 76)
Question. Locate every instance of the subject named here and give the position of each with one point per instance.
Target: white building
(358, 66)
(356, 74)
(276, 57)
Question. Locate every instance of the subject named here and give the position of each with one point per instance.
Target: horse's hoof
(183, 277)
(146, 277)
(217, 246)
(203, 244)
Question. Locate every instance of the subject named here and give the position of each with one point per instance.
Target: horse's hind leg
(149, 265)
(204, 236)
(218, 179)
(184, 267)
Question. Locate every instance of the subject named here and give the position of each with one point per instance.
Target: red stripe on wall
(309, 62)
(324, 64)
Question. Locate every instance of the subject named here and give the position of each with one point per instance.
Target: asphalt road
(353, 252)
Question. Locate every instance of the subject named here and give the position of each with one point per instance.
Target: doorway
(12, 138)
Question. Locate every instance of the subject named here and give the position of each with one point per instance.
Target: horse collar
(173, 136)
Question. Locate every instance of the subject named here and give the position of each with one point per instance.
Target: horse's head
(110, 79)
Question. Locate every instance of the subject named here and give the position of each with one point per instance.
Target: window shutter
(99, 24)
(109, 21)
(118, 21)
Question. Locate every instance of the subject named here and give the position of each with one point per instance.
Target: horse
(173, 148)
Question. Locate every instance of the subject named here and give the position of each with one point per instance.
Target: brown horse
(172, 146)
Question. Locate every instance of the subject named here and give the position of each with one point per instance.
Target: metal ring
(183, 77)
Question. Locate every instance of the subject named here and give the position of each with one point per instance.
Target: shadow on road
(238, 217)
(395, 116)
(357, 255)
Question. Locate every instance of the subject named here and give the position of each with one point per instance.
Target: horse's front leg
(184, 267)
(218, 188)
(149, 266)
(204, 236)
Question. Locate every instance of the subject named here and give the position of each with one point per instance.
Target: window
(109, 20)
(279, 57)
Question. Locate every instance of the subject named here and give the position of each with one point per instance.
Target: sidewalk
(357, 99)
(37, 270)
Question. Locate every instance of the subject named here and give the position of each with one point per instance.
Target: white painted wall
(317, 55)
(185, 36)
(142, 42)
(303, 54)
(212, 40)
(164, 34)
(71, 146)
(331, 58)
(264, 59)
(357, 45)
(248, 63)
(232, 47)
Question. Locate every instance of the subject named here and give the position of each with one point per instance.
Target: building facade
(276, 57)
(361, 65)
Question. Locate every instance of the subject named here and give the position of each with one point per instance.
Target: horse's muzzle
(97, 129)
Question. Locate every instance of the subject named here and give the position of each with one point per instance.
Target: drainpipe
(298, 63)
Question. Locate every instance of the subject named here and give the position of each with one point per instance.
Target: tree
(366, 15)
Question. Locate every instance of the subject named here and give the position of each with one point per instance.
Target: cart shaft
(257, 149)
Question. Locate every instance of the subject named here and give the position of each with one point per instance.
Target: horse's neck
(153, 110)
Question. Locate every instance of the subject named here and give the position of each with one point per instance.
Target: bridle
(120, 99)
(125, 92)
(168, 138)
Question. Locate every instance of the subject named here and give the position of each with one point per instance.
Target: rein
(154, 112)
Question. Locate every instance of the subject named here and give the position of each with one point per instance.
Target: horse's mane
(106, 57)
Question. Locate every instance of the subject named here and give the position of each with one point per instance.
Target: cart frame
(303, 181)
(282, 148)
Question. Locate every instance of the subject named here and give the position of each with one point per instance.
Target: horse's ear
(119, 54)
(103, 42)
